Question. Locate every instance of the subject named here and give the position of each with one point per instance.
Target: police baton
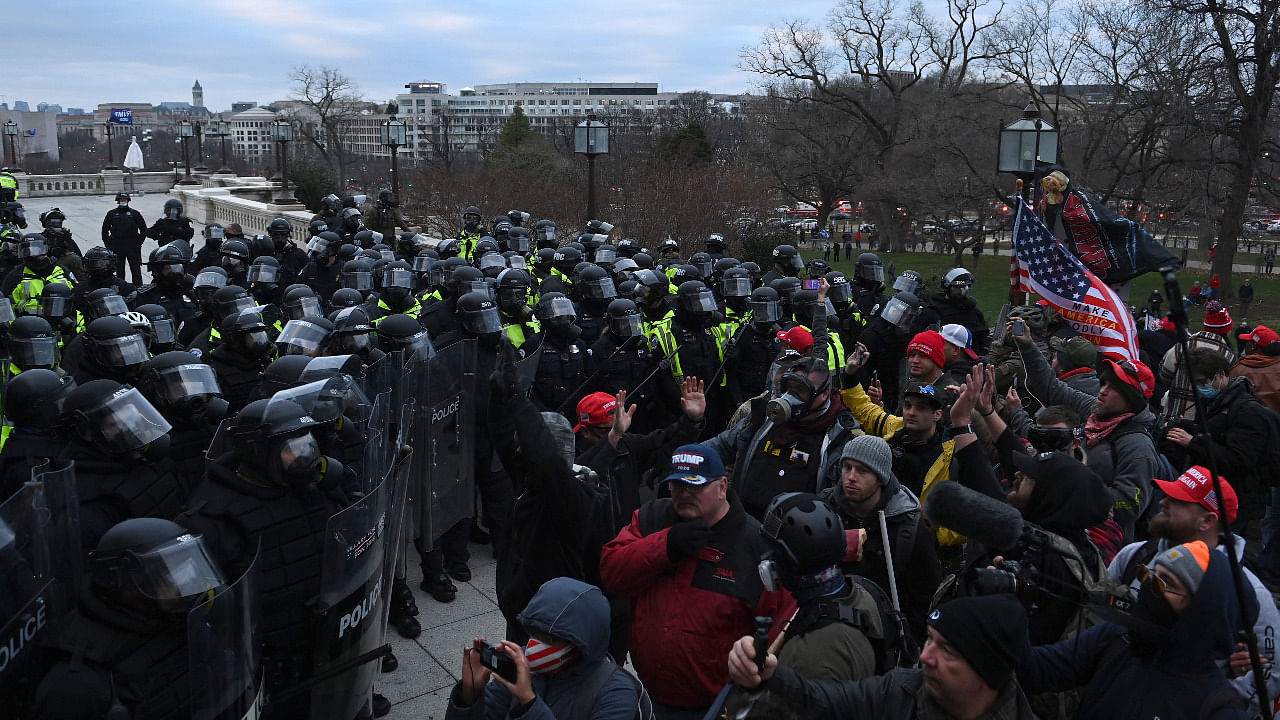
(663, 364)
(593, 375)
(715, 377)
(331, 673)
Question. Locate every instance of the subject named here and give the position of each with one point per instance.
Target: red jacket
(686, 617)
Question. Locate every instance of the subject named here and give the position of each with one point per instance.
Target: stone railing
(244, 201)
(107, 182)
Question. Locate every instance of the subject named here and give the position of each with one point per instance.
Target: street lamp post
(200, 166)
(109, 130)
(1025, 145)
(185, 131)
(221, 129)
(11, 133)
(591, 138)
(394, 136)
(282, 133)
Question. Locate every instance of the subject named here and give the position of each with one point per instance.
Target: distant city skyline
(245, 49)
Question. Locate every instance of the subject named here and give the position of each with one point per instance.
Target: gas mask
(299, 458)
(793, 393)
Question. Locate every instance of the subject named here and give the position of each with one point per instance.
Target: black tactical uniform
(240, 359)
(123, 231)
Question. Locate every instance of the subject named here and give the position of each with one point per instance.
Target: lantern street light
(200, 166)
(221, 129)
(282, 134)
(11, 133)
(108, 129)
(1025, 145)
(394, 136)
(185, 132)
(591, 138)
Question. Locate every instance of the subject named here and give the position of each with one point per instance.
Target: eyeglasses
(1146, 574)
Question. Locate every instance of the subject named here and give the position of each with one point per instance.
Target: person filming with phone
(567, 655)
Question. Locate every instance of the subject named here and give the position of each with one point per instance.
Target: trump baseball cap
(1196, 486)
(695, 464)
(595, 409)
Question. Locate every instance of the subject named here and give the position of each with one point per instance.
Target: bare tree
(328, 102)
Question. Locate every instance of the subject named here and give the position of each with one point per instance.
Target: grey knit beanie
(873, 452)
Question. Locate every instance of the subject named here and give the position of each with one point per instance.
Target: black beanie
(989, 632)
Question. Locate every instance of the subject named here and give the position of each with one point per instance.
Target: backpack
(888, 634)
(585, 699)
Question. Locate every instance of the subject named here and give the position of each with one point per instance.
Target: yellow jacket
(875, 420)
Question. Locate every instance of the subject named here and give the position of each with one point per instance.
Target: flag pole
(1016, 296)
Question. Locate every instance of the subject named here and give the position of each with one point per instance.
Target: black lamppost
(394, 136)
(1025, 144)
(591, 138)
(109, 130)
(11, 132)
(221, 129)
(282, 133)
(185, 132)
(200, 166)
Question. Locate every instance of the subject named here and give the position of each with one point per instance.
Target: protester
(1179, 402)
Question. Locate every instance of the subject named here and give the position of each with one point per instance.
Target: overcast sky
(78, 54)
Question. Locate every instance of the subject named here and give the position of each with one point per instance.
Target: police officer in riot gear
(273, 490)
(123, 651)
(353, 334)
(628, 247)
(25, 283)
(57, 307)
(868, 280)
(886, 337)
(716, 246)
(621, 359)
(735, 292)
(750, 357)
(241, 356)
(33, 401)
(786, 263)
(161, 333)
(653, 290)
(62, 246)
(848, 320)
(472, 231)
(109, 348)
(103, 302)
(170, 286)
(120, 445)
(692, 343)
(100, 272)
(291, 257)
(173, 226)
(208, 254)
(952, 304)
(123, 231)
(32, 343)
(301, 302)
(561, 368)
(441, 318)
(187, 394)
(397, 296)
(321, 271)
(595, 291)
(518, 322)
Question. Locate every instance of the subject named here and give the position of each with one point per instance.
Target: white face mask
(122, 204)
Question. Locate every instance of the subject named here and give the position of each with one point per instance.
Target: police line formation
(780, 492)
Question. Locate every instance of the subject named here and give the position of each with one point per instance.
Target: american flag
(1049, 270)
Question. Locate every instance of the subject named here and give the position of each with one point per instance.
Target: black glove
(505, 378)
(686, 538)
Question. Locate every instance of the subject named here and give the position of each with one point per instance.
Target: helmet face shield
(210, 279)
(482, 322)
(105, 305)
(300, 337)
(766, 311)
(735, 287)
(127, 422)
(179, 383)
(601, 289)
(56, 306)
(121, 351)
(625, 326)
(556, 307)
(303, 307)
(263, 273)
(34, 352)
(703, 301)
(839, 294)
(899, 313)
(176, 574)
(162, 332)
(908, 282)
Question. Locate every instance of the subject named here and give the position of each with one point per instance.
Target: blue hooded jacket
(577, 612)
(1175, 675)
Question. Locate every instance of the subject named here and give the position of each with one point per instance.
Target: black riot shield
(444, 442)
(225, 657)
(352, 608)
(39, 563)
(527, 367)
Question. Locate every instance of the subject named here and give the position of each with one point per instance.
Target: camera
(497, 661)
(994, 581)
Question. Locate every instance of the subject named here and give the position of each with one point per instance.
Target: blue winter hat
(695, 464)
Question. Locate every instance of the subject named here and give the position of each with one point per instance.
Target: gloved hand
(505, 378)
(686, 538)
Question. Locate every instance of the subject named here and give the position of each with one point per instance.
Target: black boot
(400, 618)
(389, 663)
(381, 706)
(400, 589)
(438, 585)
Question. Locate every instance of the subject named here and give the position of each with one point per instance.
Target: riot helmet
(682, 273)
(56, 302)
(787, 260)
(245, 333)
(628, 247)
(184, 390)
(766, 307)
(566, 259)
(716, 244)
(695, 303)
(153, 566)
(735, 285)
(513, 291)
(264, 272)
(625, 320)
(163, 332)
(909, 281)
(278, 443)
(234, 256)
(112, 342)
(478, 315)
(466, 279)
(397, 284)
(116, 419)
(544, 260)
(492, 264)
(544, 234)
(402, 332)
(32, 343)
(957, 282)
(165, 263)
(344, 298)
(231, 299)
(518, 239)
(301, 302)
(556, 314)
(817, 267)
(304, 337)
(868, 272)
(100, 262)
(172, 209)
(669, 248)
(702, 262)
(34, 398)
(901, 310)
(838, 290)
(643, 260)
(213, 235)
(806, 537)
(651, 287)
(366, 238)
(606, 256)
(804, 305)
(352, 333)
(103, 302)
(595, 284)
(352, 221)
(357, 275)
(52, 218)
(471, 218)
(315, 227)
(756, 273)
